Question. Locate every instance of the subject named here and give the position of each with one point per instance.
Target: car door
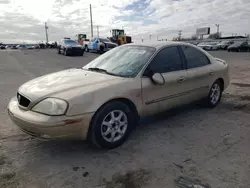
(157, 98)
(200, 72)
(91, 44)
(96, 44)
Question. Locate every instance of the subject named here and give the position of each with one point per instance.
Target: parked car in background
(22, 47)
(14, 47)
(224, 44)
(239, 47)
(2, 47)
(70, 47)
(209, 46)
(103, 101)
(100, 45)
(36, 46)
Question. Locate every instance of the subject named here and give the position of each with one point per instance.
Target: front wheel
(81, 54)
(65, 52)
(59, 51)
(214, 95)
(111, 125)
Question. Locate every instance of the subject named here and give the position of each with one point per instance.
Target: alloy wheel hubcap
(215, 94)
(114, 126)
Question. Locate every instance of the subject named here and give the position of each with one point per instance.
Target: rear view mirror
(158, 79)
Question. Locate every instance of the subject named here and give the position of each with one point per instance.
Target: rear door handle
(181, 79)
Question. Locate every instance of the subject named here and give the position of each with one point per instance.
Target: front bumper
(75, 50)
(50, 127)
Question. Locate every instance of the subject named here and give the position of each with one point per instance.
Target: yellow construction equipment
(81, 38)
(119, 37)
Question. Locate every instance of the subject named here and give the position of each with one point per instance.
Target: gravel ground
(211, 145)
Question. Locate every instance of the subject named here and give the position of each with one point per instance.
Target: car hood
(54, 83)
(73, 45)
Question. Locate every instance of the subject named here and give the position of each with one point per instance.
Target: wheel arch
(126, 101)
(222, 82)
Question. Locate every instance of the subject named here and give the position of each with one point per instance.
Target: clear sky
(23, 20)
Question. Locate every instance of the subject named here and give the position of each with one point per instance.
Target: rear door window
(194, 57)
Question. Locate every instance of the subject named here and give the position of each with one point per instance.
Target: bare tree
(194, 37)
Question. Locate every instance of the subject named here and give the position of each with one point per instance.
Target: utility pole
(179, 34)
(97, 27)
(46, 32)
(91, 22)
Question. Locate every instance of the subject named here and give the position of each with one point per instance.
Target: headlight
(51, 106)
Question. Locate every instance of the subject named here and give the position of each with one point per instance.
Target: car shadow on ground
(64, 148)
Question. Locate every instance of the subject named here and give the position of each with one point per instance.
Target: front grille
(23, 101)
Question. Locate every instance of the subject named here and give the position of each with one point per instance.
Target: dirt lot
(192, 142)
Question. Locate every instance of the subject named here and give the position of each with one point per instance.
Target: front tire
(81, 54)
(111, 125)
(65, 52)
(214, 96)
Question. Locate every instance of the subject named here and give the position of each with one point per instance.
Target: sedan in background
(239, 47)
(103, 101)
(2, 47)
(209, 46)
(224, 44)
(22, 47)
(70, 47)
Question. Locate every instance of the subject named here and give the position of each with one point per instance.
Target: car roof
(159, 44)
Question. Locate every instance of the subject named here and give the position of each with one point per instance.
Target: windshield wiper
(97, 69)
(103, 71)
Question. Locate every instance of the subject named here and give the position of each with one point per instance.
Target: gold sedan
(103, 101)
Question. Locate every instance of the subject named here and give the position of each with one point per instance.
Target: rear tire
(109, 131)
(59, 51)
(82, 53)
(214, 96)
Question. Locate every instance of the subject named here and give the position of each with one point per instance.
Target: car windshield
(124, 61)
(104, 40)
(237, 44)
(70, 42)
(224, 42)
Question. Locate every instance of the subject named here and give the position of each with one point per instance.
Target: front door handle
(211, 73)
(181, 79)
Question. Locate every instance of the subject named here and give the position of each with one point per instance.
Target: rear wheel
(81, 54)
(59, 51)
(111, 125)
(214, 96)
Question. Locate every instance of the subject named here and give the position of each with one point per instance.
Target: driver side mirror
(158, 79)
